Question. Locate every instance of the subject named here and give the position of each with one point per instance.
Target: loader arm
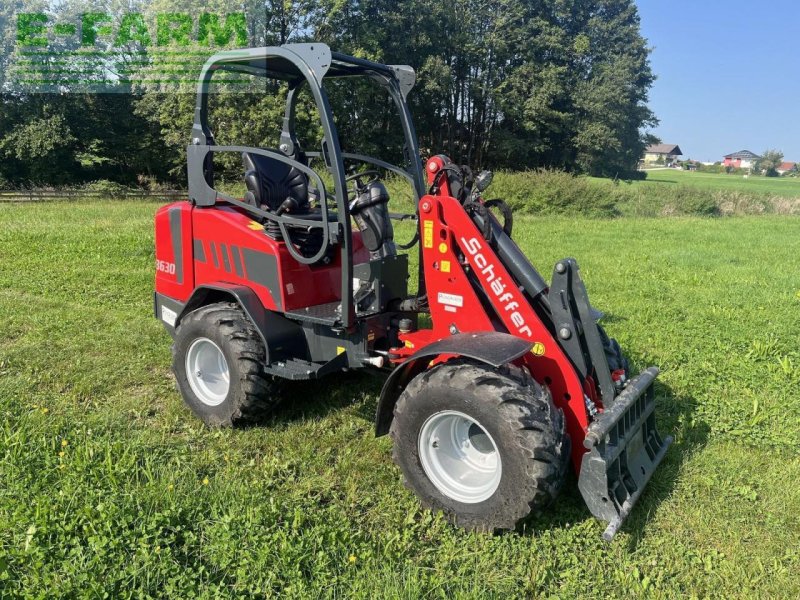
(471, 290)
(477, 282)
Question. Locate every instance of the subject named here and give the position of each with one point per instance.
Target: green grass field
(786, 187)
(110, 488)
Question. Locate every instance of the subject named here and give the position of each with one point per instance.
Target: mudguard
(492, 348)
(283, 339)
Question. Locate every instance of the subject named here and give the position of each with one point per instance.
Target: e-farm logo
(103, 52)
(37, 30)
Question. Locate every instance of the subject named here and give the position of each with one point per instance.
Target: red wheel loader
(489, 398)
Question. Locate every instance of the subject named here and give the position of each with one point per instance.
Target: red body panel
(174, 272)
(222, 245)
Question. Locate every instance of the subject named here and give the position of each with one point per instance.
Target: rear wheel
(218, 359)
(486, 447)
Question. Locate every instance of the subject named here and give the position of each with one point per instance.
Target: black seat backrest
(271, 182)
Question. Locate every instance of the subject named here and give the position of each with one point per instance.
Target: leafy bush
(715, 168)
(687, 201)
(556, 192)
(545, 192)
(152, 184)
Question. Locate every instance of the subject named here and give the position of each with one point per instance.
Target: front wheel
(484, 446)
(616, 359)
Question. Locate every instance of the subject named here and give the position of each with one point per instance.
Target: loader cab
(326, 207)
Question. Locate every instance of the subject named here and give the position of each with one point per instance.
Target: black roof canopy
(295, 62)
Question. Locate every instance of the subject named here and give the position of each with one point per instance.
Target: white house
(662, 154)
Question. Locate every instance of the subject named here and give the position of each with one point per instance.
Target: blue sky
(727, 75)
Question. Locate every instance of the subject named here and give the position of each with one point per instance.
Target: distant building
(690, 165)
(787, 167)
(662, 154)
(744, 159)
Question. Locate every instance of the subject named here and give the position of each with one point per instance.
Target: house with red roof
(787, 167)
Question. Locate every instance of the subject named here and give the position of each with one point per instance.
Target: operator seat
(274, 185)
(282, 189)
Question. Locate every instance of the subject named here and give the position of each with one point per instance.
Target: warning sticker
(427, 234)
(538, 349)
(451, 300)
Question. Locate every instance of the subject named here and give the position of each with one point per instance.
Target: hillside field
(786, 187)
(109, 487)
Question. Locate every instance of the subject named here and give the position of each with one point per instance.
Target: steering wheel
(373, 175)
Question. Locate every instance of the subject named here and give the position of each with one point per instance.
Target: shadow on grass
(316, 399)
(668, 181)
(609, 318)
(674, 416)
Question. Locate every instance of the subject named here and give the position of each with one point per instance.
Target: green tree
(501, 83)
(37, 146)
(769, 162)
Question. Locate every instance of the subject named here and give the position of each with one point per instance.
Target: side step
(624, 449)
(298, 370)
(323, 314)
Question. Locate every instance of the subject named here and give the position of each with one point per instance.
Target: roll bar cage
(308, 64)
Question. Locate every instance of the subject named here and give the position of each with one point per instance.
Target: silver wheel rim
(459, 457)
(207, 372)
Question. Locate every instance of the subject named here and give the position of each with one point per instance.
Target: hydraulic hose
(517, 263)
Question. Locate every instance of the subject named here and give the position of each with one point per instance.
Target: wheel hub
(207, 372)
(459, 457)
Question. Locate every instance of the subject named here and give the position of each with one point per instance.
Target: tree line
(508, 84)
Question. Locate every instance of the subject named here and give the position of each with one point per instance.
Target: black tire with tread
(252, 393)
(520, 416)
(616, 359)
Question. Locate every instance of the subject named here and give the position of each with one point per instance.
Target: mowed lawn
(786, 187)
(110, 487)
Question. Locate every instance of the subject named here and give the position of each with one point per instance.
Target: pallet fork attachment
(623, 445)
(624, 450)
